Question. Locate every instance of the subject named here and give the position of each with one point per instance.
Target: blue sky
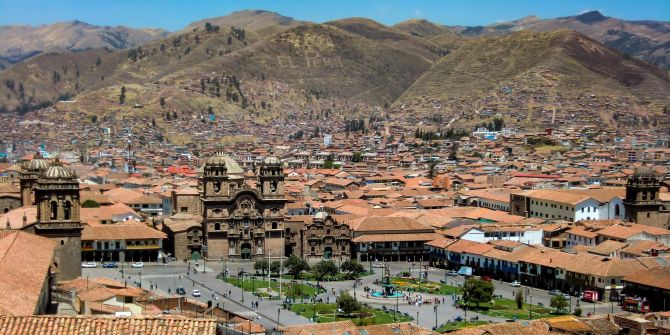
(175, 14)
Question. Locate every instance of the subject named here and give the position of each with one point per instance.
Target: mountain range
(354, 60)
(20, 42)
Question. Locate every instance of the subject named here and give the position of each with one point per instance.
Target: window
(216, 186)
(274, 225)
(67, 210)
(183, 209)
(54, 210)
(217, 226)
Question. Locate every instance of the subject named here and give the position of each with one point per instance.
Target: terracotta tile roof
(581, 231)
(387, 223)
(15, 217)
(25, 260)
(655, 277)
(607, 247)
(128, 196)
(120, 232)
(349, 328)
(86, 324)
(395, 237)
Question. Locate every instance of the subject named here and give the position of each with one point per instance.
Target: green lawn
(506, 308)
(456, 325)
(328, 313)
(288, 289)
(423, 286)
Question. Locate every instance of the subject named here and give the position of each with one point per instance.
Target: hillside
(259, 21)
(646, 40)
(561, 61)
(19, 42)
(420, 28)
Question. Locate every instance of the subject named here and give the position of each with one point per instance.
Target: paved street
(167, 277)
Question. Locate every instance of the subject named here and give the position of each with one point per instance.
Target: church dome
(38, 164)
(220, 159)
(271, 160)
(57, 170)
(645, 171)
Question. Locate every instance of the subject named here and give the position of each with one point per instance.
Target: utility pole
(435, 309)
(530, 308)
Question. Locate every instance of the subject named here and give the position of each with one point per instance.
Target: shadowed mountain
(563, 60)
(646, 40)
(21, 42)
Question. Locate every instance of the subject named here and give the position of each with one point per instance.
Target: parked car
(110, 265)
(515, 283)
(196, 293)
(137, 265)
(89, 265)
(452, 273)
(181, 290)
(555, 292)
(487, 278)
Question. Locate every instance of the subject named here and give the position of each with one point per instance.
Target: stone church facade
(242, 221)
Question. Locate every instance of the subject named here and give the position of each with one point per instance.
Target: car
(555, 292)
(487, 278)
(89, 265)
(137, 265)
(196, 293)
(109, 265)
(181, 290)
(452, 273)
(515, 283)
(378, 265)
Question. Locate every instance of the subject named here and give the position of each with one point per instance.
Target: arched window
(217, 186)
(217, 226)
(273, 186)
(617, 210)
(54, 210)
(274, 225)
(644, 195)
(67, 210)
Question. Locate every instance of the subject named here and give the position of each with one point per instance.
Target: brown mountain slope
(646, 40)
(48, 76)
(565, 61)
(21, 42)
(420, 27)
(259, 21)
(327, 61)
(390, 37)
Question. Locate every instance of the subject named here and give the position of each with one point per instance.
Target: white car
(89, 265)
(137, 265)
(515, 284)
(196, 293)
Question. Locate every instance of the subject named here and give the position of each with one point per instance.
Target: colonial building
(325, 238)
(241, 220)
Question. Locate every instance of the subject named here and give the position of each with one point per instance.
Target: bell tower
(215, 176)
(642, 192)
(29, 174)
(57, 198)
(271, 178)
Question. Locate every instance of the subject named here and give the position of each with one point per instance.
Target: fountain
(388, 289)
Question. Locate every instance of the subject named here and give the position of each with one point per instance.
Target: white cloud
(418, 13)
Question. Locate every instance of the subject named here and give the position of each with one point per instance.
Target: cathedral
(54, 190)
(242, 221)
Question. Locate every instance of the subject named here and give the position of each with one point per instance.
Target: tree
(477, 291)
(275, 267)
(162, 102)
(558, 302)
(122, 97)
(353, 268)
(295, 265)
(90, 203)
(261, 265)
(577, 312)
(519, 299)
(325, 268)
(347, 303)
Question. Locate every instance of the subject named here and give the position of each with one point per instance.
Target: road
(165, 278)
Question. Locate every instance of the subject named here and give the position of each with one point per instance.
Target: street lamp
(435, 309)
(242, 288)
(140, 279)
(530, 308)
(278, 312)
